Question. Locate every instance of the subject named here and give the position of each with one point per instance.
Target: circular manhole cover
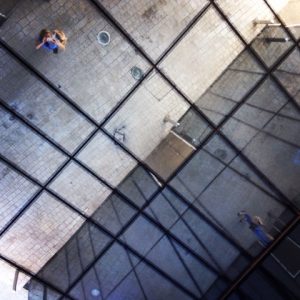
(103, 38)
(136, 73)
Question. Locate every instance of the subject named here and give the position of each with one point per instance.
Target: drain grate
(103, 38)
(136, 73)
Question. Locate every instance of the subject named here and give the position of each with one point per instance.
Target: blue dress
(258, 231)
(50, 46)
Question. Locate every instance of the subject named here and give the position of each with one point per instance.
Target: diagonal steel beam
(32, 275)
(120, 194)
(113, 238)
(201, 114)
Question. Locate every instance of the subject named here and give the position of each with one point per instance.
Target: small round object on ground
(103, 38)
(136, 73)
(95, 292)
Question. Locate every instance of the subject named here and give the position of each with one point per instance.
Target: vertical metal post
(16, 279)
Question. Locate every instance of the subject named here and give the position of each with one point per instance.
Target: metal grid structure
(226, 280)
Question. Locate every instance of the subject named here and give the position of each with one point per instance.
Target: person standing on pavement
(51, 40)
(257, 227)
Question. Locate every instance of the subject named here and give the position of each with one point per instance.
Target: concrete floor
(100, 192)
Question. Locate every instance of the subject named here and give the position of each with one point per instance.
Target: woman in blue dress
(51, 40)
(257, 227)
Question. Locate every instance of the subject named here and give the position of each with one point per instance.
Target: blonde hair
(62, 37)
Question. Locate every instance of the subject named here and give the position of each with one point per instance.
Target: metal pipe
(286, 26)
(16, 279)
(263, 22)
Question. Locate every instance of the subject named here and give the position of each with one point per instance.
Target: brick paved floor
(75, 125)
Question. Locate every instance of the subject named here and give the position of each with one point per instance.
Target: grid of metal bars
(253, 262)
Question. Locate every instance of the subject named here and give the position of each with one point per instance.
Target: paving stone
(281, 165)
(95, 77)
(29, 151)
(230, 88)
(202, 275)
(139, 186)
(128, 289)
(40, 233)
(288, 74)
(113, 214)
(40, 106)
(258, 130)
(255, 114)
(192, 65)
(107, 159)
(156, 24)
(219, 149)
(198, 66)
(156, 286)
(65, 267)
(112, 268)
(164, 256)
(15, 192)
(80, 188)
(202, 239)
(142, 230)
(166, 208)
(147, 108)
